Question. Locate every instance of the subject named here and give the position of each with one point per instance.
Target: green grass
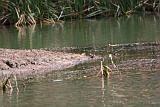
(28, 12)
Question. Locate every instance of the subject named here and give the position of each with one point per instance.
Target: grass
(29, 12)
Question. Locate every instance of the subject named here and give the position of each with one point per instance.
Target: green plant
(28, 12)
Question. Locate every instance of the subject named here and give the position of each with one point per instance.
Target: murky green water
(68, 88)
(132, 89)
(82, 33)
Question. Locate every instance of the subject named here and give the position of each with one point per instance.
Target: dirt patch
(38, 61)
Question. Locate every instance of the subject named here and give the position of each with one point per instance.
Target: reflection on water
(25, 31)
(82, 33)
(127, 90)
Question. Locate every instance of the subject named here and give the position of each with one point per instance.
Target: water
(132, 89)
(82, 33)
(69, 88)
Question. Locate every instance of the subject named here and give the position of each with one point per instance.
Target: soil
(15, 61)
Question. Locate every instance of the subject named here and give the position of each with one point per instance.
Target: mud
(127, 57)
(30, 62)
(137, 56)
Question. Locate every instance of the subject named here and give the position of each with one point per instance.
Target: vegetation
(6, 83)
(28, 12)
(106, 70)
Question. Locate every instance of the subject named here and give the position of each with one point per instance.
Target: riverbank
(127, 57)
(33, 62)
(29, 12)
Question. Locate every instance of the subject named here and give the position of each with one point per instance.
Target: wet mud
(127, 57)
(137, 56)
(14, 61)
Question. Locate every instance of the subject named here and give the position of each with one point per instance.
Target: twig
(110, 55)
(102, 68)
(15, 78)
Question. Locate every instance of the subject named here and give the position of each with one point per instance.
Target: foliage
(27, 12)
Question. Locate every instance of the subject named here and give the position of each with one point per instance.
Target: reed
(6, 83)
(28, 12)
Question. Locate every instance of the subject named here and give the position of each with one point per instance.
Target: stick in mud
(103, 71)
(110, 55)
(15, 78)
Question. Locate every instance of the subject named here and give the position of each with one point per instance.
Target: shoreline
(33, 61)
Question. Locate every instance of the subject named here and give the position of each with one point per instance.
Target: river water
(69, 88)
(82, 33)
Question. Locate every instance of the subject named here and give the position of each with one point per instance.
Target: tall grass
(28, 12)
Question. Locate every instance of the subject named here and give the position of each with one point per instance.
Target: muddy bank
(136, 56)
(127, 57)
(38, 61)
